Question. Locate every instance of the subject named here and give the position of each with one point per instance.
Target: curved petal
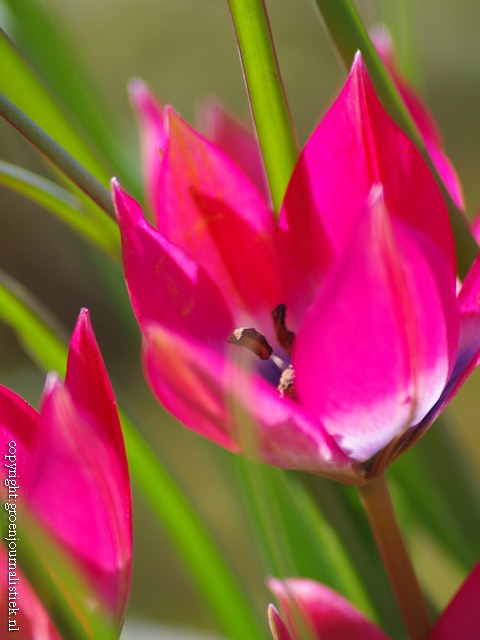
(212, 212)
(165, 285)
(277, 626)
(80, 494)
(350, 151)
(217, 124)
(219, 399)
(326, 614)
(378, 345)
(422, 118)
(18, 430)
(468, 356)
(152, 137)
(89, 387)
(461, 618)
(31, 618)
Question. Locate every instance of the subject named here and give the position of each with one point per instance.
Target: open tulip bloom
(328, 340)
(73, 477)
(324, 615)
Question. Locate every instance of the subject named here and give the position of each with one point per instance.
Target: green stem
(271, 114)
(57, 155)
(349, 35)
(379, 509)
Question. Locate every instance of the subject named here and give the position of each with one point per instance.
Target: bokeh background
(185, 49)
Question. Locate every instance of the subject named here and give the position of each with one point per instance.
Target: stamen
(253, 340)
(286, 386)
(284, 336)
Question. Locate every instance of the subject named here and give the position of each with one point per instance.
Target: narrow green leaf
(441, 486)
(270, 110)
(47, 41)
(295, 537)
(349, 35)
(341, 507)
(23, 87)
(57, 155)
(102, 232)
(215, 579)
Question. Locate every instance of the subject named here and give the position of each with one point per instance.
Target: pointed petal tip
(83, 328)
(141, 96)
(277, 625)
(358, 62)
(51, 387)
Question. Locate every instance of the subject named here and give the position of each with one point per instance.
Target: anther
(286, 386)
(253, 340)
(284, 336)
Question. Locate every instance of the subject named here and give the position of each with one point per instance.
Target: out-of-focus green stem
(379, 509)
(57, 155)
(349, 35)
(271, 114)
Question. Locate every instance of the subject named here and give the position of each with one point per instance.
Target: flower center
(256, 342)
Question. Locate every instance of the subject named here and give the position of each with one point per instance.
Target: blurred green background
(185, 49)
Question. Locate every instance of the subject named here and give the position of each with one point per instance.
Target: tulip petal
(422, 117)
(378, 345)
(88, 509)
(18, 426)
(277, 626)
(461, 618)
(164, 284)
(351, 150)
(235, 408)
(468, 356)
(325, 613)
(152, 137)
(216, 123)
(212, 212)
(32, 620)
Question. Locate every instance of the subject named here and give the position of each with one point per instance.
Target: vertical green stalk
(271, 114)
(379, 509)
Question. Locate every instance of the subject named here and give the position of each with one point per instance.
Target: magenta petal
(352, 149)
(378, 345)
(277, 626)
(164, 284)
(234, 138)
(18, 423)
(236, 409)
(152, 136)
(32, 619)
(80, 495)
(326, 614)
(468, 356)
(89, 386)
(461, 618)
(422, 118)
(212, 212)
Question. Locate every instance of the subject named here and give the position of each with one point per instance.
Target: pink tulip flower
(326, 615)
(71, 470)
(348, 302)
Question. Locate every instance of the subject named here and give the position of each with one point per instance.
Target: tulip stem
(270, 110)
(57, 155)
(379, 509)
